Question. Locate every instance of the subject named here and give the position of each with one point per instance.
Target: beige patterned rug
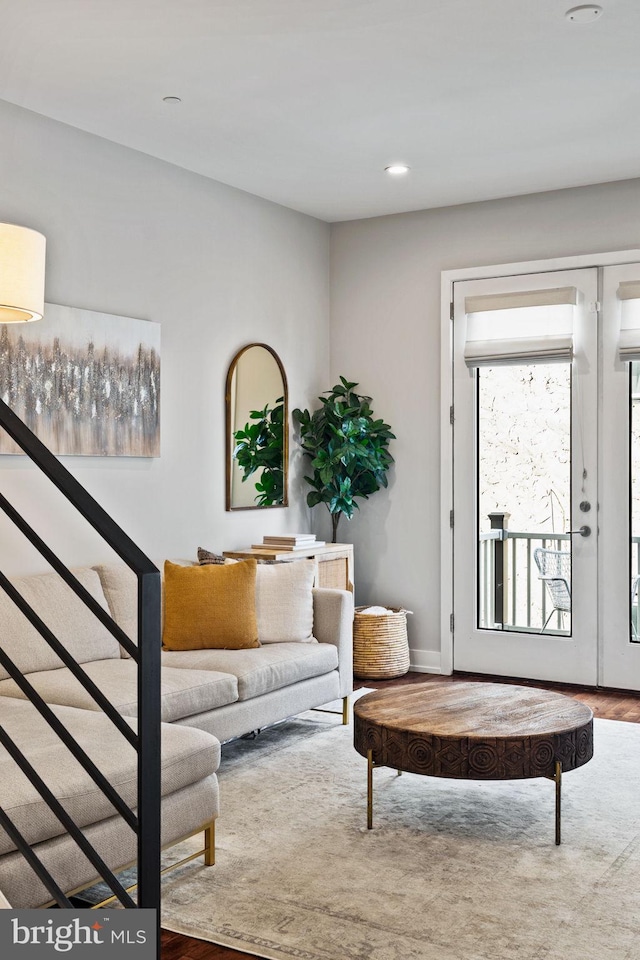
(451, 871)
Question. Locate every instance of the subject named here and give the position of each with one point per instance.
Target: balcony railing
(511, 594)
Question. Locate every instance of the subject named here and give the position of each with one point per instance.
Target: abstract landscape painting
(86, 383)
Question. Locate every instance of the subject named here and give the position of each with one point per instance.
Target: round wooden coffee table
(473, 731)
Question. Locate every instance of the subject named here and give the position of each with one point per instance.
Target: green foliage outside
(348, 449)
(260, 447)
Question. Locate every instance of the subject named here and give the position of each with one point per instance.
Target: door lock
(585, 506)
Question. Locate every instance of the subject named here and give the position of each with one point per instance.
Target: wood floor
(608, 704)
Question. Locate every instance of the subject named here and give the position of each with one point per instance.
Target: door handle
(584, 531)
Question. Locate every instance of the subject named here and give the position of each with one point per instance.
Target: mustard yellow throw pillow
(210, 607)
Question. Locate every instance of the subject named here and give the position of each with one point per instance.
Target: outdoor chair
(555, 570)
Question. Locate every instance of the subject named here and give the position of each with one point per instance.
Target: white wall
(218, 268)
(385, 333)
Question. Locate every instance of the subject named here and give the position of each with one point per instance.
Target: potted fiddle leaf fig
(348, 449)
(260, 447)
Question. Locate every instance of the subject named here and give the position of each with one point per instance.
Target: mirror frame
(229, 430)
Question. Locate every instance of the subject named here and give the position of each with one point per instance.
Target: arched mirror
(257, 429)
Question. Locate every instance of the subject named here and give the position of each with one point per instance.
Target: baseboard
(425, 661)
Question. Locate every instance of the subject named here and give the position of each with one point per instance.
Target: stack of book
(293, 541)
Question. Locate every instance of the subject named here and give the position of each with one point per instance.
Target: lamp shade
(22, 253)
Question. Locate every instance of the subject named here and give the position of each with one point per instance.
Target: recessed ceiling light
(585, 13)
(397, 169)
(171, 100)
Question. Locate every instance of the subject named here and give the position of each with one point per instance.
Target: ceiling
(305, 102)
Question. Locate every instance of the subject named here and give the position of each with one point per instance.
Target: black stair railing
(145, 822)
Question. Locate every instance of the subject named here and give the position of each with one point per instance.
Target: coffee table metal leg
(557, 779)
(558, 782)
(369, 789)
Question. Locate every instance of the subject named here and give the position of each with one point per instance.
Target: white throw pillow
(284, 601)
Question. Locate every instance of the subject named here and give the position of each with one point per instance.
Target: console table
(334, 561)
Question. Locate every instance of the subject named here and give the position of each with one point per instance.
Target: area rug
(452, 870)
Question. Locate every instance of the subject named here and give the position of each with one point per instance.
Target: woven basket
(380, 646)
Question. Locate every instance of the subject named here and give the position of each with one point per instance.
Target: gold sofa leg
(210, 844)
(208, 852)
(344, 713)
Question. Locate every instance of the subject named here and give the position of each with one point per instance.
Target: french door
(545, 569)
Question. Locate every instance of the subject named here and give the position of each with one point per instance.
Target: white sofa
(208, 696)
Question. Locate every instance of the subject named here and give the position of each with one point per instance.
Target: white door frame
(619, 664)
(448, 277)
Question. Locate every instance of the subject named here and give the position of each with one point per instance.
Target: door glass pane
(524, 498)
(634, 460)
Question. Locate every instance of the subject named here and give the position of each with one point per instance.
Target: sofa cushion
(185, 760)
(284, 601)
(259, 671)
(66, 616)
(184, 692)
(183, 812)
(120, 586)
(210, 606)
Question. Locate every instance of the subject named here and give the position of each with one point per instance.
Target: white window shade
(530, 326)
(629, 341)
